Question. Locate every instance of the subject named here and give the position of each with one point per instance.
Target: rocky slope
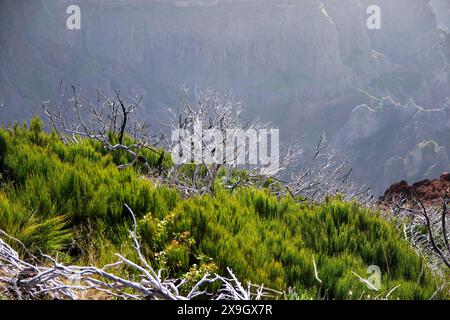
(391, 141)
(442, 11)
(429, 191)
(256, 48)
(289, 54)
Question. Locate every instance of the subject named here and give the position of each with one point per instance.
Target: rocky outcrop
(429, 191)
(426, 159)
(349, 17)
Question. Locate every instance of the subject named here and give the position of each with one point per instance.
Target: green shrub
(56, 194)
(78, 182)
(275, 242)
(36, 233)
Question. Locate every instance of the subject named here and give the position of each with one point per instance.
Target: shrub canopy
(55, 195)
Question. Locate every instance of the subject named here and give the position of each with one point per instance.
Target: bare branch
(23, 280)
(325, 175)
(426, 227)
(105, 120)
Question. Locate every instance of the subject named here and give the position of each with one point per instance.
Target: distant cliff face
(394, 142)
(442, 10)
(300, 63)
(285, 53)
(252, 47)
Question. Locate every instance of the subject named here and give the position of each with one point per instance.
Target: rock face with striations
(395, 141)
(279, 49)
(442, 10)
(273, 54)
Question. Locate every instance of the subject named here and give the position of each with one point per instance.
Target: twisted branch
(23, 280)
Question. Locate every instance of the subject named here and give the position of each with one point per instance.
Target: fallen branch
(23, 280)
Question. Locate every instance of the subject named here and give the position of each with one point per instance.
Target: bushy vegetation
(77, 188)
(275, 243)
(70, 200)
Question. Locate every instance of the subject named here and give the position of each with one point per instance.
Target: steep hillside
(288, 54)
(442, 11)
(396, 142)
(69, 201)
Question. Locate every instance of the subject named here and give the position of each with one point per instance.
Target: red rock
(419, 184)
(399, 188)
(429, 191)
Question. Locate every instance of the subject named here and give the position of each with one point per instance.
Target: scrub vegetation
(68, 200)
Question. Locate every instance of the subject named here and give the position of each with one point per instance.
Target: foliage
(49, 180)
(69, 199)
(274, 242)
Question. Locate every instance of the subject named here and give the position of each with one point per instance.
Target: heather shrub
(56, 196)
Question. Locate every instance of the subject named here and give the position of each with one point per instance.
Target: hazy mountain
(302, 64)
(442, 10)
(394, 142)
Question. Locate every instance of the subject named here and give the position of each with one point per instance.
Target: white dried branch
(326, 175)
(23, 280)
(212, 111)
(426, 226)
(102, 119)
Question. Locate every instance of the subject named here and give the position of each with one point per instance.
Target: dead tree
(210, 138)
(212, 131)
(426, 226)
(325, 175)
(107, 120)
